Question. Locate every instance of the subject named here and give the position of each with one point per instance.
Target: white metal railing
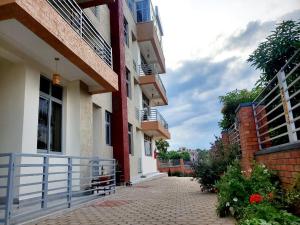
(32, 185)
(234, 134)
(277, 108)
(76, 18)
(152, 114)
(151, 69)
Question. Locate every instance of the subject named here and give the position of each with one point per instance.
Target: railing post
(285, 98)
(44, 202)
(114, 173)
(256, 126)
(69, 189)
(81, 23)
(10, 189)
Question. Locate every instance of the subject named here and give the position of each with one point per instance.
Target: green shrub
(268, 213)
(233, 192)
(292, 197)
(176, 174)
(212, 164)
(254, 199)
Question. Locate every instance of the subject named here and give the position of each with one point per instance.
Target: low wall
(286, 162)
(181, 168)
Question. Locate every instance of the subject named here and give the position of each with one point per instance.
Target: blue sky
(206, 46)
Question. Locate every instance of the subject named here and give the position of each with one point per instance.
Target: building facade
(81, 78)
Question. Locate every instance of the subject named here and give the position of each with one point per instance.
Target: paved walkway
(164, 201)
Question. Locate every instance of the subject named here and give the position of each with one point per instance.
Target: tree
(185, 156)
(230, 103)
(162, 145)
(273, 53)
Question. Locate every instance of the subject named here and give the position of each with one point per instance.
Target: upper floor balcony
(39, 31)
(152, 85)
(149, 32)
(154, 124)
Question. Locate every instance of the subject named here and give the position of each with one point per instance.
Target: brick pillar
(248, 137)
(119, 98)
(182, 167)
(225, 138)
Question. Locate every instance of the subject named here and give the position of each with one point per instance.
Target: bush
(254, 199)
(268, 213)
(233, 192)
(212, 164)
(292, 198)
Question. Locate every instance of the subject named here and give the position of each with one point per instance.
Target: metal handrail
(79, 21)
(277, 105)
(35, 183)
(152, 114)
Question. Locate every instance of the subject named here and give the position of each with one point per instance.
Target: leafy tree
(230, 103)
(273, 53)
(162, 145)
(185, 156)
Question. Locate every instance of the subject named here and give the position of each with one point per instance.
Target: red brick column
(119, 98)
(248, 137)
(225, 138)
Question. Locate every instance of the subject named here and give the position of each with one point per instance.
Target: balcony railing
(152, 114)
(277, 108)
(151, 69)
(32, 185)
(77, 19)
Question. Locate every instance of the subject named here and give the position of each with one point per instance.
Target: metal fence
(76, 18)
(234, 134)
(152, 114)
(32, 185)
(277, 108)
(169, 163)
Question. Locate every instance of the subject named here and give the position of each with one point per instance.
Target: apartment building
(80, 79)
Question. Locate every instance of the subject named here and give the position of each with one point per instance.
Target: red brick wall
(286, 163)
(180, 168)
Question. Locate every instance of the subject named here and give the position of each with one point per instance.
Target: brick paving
(164, 201)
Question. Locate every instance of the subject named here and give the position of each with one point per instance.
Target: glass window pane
(44, 85)
(42, 137)
(56, 127)
(57, 92)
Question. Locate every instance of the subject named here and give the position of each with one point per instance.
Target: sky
(206, 45)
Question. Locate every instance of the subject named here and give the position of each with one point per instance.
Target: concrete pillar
(248, 137)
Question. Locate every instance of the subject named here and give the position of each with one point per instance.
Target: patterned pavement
(164, 201)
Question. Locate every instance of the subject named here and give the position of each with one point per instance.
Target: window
(143, 11)
(130, 139)
(126, 32)
(49, 136)
(128, 83)
(108, 128)
(148, 145)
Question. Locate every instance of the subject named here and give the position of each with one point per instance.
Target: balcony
(153, 124)
(47, 29)
(152, 86)
(149, 34)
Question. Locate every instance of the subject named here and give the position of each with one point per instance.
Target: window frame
(128, 83)
(108, 135)
(148, 139)
(130, 139)
(126, 32)
(51, 99)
